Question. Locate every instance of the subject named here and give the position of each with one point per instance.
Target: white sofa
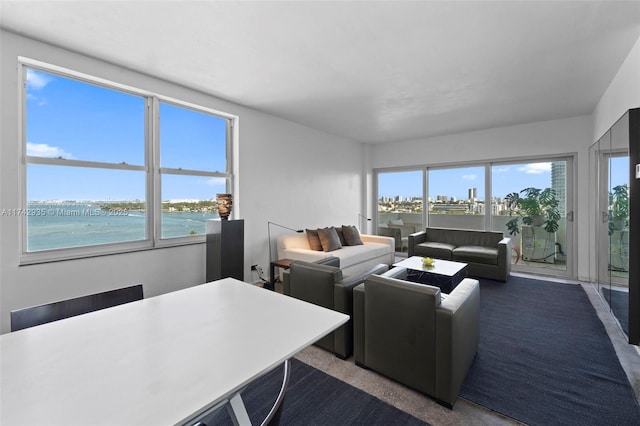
(353, 259)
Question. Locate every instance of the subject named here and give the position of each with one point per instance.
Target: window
(99, 179)
(474, 196)
(400, 205)
(193, 161)
(456, 197)
(535, 246)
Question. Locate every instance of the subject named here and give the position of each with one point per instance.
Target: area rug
(545, 358)
(619, 302)
(315, 398)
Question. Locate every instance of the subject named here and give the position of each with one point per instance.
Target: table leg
(271, 285)
(238, 411)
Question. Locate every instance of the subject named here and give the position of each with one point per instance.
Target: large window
(193, 161)
(475, 196)
(109, 169)
(456, 197)
(400, 205)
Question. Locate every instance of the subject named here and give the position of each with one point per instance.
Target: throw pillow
(338, 229)
(351, 235)
(396, 222)
(314, 240)
(329, 239)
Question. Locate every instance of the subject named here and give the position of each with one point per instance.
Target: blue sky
(80, 121)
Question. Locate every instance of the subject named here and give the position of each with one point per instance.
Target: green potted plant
(536, 207)
(619, 208)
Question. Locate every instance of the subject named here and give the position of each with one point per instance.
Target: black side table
(280, 263)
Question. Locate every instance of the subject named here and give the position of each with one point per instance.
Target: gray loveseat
(416, 335)
(488, 254)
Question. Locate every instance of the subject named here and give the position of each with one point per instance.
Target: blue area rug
(545, 358)
(315, 398)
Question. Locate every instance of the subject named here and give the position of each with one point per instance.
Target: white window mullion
(154, 190)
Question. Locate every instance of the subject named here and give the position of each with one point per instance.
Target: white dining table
(158, 361)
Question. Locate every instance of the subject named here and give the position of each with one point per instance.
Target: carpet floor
(545, 358)
(315, 398)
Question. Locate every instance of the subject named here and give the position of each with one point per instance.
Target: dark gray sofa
(488, 254)
(416, 335)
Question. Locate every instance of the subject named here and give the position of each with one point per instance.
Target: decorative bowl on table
(428, 262)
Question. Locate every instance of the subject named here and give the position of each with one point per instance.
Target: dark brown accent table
(279, 263)
(445, 274)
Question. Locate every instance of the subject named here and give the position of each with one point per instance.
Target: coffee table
(445, 274)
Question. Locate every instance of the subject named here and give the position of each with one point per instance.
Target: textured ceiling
(369, 71)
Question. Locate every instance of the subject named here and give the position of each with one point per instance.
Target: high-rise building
(473, 194)
(559, 184)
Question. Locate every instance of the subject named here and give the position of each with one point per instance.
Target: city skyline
(456, 182)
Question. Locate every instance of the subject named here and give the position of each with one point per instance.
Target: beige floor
(464, 412)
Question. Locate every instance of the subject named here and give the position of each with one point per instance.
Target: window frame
(152, 169)
(570, 197)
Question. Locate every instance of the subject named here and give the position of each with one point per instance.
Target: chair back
(400, 324)
(49, 312)
(313, 283)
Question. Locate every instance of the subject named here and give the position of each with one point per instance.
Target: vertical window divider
(154, 191)
(425, 198)
(488, 202)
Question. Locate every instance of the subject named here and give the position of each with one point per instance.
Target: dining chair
(49, 312)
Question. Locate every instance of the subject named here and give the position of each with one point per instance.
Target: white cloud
(216, 181)
(469, 177)
(36, 80)
(536, 168)
(44, 150)
(501, 169)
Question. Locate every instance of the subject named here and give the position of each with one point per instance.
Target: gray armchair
(416, 335)
(323, 284)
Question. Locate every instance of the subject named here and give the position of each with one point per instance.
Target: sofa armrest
(343, 302)
(367, 238)
(504, 258)
(457, 338)
(343, 290)
(394, 233)
(286, 280)
(313, 282)
(415, 239)
(397, 272)
(358, 325)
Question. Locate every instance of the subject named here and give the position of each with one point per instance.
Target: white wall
(288, 174)
(622, 94)
(548, 138)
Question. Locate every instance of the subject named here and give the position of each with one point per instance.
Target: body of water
(53, 226)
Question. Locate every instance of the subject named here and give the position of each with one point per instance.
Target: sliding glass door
(400, 205)
(531, 204)
(457, 197)
(483, 197)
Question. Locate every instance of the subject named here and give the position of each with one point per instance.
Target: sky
(81, 121)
